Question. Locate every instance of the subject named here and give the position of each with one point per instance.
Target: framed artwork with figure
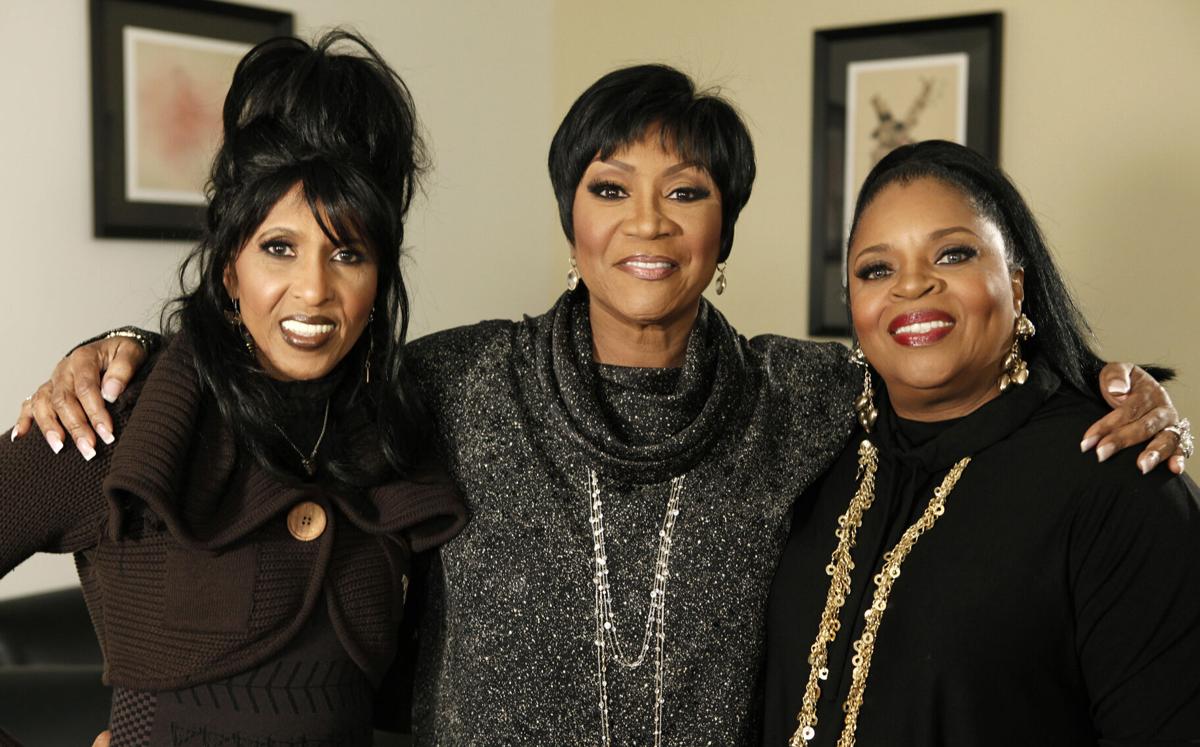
(876, 88)
(160, 72)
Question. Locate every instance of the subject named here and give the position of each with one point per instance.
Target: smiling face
(647, 234)
(933, 299)
(304, 299)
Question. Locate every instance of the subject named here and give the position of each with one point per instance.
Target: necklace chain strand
(608, 641)
(840, 565)
(308, 462)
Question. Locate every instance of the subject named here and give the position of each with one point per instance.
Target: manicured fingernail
(55, 442)
(1118, 387)
(86, 449)
(1088, 443)
(105, 435)
(13, 437)
(110, 390)
(1105, 451)
(1148, 462)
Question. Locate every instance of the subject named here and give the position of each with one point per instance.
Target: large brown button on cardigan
(184, 552)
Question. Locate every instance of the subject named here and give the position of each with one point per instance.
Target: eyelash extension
(600, 186)
(968, 252)
(696, 193)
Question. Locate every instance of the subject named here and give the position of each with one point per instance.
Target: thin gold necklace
(840, 565)
(309, 463)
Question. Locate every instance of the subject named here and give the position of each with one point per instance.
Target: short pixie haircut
(624, 105)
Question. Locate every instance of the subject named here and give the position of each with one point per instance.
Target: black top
(1056, 602)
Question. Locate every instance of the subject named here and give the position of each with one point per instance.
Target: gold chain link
(840, 565)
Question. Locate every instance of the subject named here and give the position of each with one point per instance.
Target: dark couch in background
(50, 667)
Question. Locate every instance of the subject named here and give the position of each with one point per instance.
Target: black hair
(341, 124)
(624, 106)
(1064, 338)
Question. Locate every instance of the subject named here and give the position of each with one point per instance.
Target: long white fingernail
(1118, 387)
(110, 390)
(1149, 462)
(1088, 443)
(55, 442)
(86, 449)
(105, 435)
(1105, 451)
(13, 437)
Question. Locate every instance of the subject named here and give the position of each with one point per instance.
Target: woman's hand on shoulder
(73, 401)
(1142, 409)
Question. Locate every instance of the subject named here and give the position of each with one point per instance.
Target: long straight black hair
(341, 124)
(1064, 338)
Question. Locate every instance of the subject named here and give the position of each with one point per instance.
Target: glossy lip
(305, 342)
(913, 339)
(647, 273)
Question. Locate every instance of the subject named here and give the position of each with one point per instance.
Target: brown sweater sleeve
(48, 502)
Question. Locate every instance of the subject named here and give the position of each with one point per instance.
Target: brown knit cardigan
(189, 570)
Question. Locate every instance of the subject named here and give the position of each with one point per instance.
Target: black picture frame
(967, 47)
(115, 214)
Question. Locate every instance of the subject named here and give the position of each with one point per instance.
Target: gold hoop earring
(722, 283)
(865, 404)
(573, 276)
(1016, 370)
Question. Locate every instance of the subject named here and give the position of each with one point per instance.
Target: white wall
(480, 74)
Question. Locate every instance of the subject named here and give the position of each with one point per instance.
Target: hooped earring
(721, 281)
(370, 347)
(573, 276)
(865, 404)
(1016, 370)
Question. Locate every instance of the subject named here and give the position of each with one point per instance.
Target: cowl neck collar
(703, 398)
(178, 458)
(934, 447)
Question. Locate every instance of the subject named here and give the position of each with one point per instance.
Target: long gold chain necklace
(840, 565)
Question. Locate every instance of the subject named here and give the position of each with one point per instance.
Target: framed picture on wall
(160, 71)
(876, 88)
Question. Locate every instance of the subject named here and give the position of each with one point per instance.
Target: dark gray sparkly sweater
(508, 651)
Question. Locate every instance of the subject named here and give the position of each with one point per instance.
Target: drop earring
(721, 281)
(235, 318)
(1016, 370)
(865, 404)
(370, 347)
(573, 276)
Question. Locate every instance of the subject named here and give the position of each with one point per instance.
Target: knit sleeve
(1134, 561)
(48, 502)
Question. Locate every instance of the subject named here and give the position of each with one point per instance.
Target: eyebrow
(934, 235)
(682, 166)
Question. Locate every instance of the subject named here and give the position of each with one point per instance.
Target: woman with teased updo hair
(247, 544)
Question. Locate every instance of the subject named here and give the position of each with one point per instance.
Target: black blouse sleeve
(1134, 564)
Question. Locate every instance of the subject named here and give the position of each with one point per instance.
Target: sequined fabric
(508, 653)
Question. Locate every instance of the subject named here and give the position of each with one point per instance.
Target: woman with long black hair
(245, 549)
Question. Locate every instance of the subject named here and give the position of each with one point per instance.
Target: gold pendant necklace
(840, 565)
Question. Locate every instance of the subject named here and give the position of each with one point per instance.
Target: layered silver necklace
(608, 641)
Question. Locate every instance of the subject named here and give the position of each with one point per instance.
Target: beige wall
(1098, 129)
(1095, 130)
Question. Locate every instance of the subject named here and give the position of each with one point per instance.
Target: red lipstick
(920, 328)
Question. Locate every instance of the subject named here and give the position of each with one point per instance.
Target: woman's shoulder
(444, 358)
(789, 354)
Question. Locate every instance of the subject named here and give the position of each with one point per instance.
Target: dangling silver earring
(721, 281)
(1016, 370)
(235, 318)
(573, 276)
(865, 404)
(370, 346)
